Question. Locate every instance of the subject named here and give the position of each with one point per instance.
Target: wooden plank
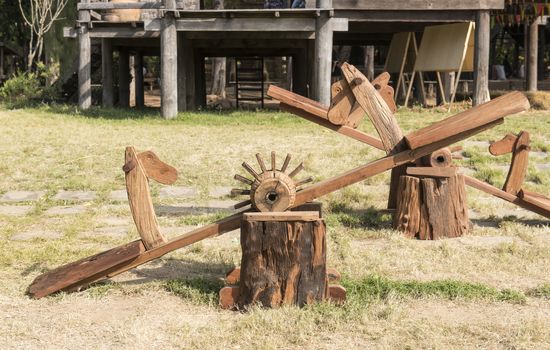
(315, 108)
(520, 161)
(68, 275)
(522, 193)
(418, 5)
(503, 146)
(237, 24)
(118, 5)
(156, 169)
(344, 130)
(342, 100)
(432, 171)
(535, 207)
(282, 216)
(139, 199)
(511, 103)
(376, 108)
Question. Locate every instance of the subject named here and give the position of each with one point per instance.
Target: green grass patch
(376, 288)
(542, 291)
(198, 290)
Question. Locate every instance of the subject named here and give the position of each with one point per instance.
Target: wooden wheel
(273, 189)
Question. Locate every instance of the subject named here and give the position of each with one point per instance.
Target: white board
(444, 48)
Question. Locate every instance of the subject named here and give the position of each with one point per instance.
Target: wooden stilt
(323, 54)
(532, 56)
(139, 82)
(169, 64)
(107, 72)
(481, 58)
(123, 78)
(84, 62)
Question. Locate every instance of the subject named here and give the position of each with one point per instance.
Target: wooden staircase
(249, 80)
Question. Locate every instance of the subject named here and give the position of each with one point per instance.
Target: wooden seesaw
(365, 98)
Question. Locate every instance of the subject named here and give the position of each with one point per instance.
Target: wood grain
(440, 158)
(156, 169)
(520, 162)
(283, 263)
(503, 146)
(511, 103)
(432, 171)
(282, 216)
(341, 103)
(141, 204)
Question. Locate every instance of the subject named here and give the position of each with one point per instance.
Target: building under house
(183, 34)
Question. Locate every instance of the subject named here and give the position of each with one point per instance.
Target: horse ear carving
(156, 169)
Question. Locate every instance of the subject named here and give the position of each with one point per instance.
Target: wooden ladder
(249, 79)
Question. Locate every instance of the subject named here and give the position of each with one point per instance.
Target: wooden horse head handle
(139, 167)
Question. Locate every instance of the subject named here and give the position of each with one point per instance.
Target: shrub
(28, 88)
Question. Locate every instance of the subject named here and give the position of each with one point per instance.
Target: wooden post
(432, 208)
(323, 54)
(84, 62)
(369, 62)
(169, 63)
(284, 259)
(139, 82)
(532, 56)
(107, 72)
(481, 58)
(123, 78)
(132, 86)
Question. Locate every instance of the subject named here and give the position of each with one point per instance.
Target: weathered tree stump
(284, 259)
(432, 207)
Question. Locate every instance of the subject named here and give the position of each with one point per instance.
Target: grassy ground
(487, 290)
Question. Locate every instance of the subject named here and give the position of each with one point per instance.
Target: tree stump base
(283, 262)
(432, 208)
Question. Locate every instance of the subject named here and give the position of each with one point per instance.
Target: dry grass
(487, 290)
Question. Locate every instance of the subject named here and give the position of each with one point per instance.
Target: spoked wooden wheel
(270, 190)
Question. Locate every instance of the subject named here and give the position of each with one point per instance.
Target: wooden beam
(526, 204)
(118, 5)
(482, 44)
(238, 25)
(432, 171)
(400, 19)
(418, 5)
(511, 103)
(107, 73)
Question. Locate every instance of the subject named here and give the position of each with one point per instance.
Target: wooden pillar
(200, 81)
(139, 81)
(169, 63)
(532, 56)
(284, 259)
(132, 86)
(481, 57)
(107, 72)
(123, 78)
(369, 62)
(299, 73)
(323, 54)
(84, 62)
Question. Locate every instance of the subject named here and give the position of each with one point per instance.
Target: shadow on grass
(357, 218)
(496, 222)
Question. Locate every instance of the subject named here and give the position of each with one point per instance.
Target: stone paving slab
(118, 196)
(222, 204)
(113, 221)
(22, 196)
(66, 210)
(192, 208)
(75, 195)
(542, 166)
(177, 192)
(15, 210)
(219, 191)
(29, 235)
